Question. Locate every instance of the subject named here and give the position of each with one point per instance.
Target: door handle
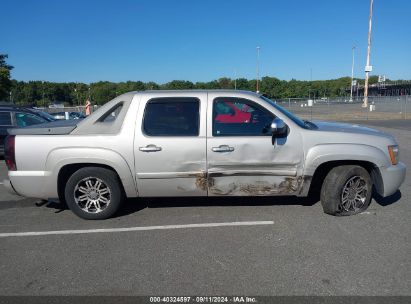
(150, 148)
(223, 148)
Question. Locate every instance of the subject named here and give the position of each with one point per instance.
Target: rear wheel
(93, 193)
(346, 190)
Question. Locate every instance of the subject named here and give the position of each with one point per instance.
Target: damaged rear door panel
(242, 157)
(170, 145)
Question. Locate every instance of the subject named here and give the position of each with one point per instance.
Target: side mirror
(278, 128)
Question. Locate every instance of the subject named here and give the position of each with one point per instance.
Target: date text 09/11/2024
(203, 299)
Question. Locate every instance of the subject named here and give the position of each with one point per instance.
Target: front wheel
(93, 193)
(346, 190)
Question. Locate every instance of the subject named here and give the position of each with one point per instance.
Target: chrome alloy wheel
(92, 195)
(354, 194)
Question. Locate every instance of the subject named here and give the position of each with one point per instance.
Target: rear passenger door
(170, 145)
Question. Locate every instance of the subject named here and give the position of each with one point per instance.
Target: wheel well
(322, 171)
(67, 170)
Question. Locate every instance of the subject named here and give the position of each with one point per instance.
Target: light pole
(258, 70)
(44, 100)
(352, 72)
(368, 68)
(235, 79)
(311, 83)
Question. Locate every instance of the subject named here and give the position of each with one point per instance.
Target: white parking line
(146, 228)
(1, 183)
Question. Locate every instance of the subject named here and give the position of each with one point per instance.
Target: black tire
(334, 184)
(109, 183)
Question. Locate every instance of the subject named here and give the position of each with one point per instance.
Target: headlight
(394, 154)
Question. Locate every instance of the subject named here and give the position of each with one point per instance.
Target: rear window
(5, 119)
(27, 119)
(172, 117)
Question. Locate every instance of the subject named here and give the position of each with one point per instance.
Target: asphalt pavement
(298, 251)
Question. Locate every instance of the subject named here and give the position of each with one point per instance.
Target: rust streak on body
(289, 185)
(201, 181)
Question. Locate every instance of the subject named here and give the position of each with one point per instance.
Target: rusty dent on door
(288, 186)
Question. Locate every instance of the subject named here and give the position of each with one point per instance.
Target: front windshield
(290, 115)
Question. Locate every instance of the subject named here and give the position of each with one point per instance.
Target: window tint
(172, 117)
(5, 119)
(26, 119)
(240, 117)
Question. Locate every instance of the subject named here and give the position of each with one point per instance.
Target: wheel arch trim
(321, 154)
(60, 158)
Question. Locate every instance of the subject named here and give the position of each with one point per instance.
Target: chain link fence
(340, 109)
(79, 109)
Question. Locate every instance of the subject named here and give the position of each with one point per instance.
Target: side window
(172, 117)
(240, 117)
(5, 119)
(112, 114)
(27, 119)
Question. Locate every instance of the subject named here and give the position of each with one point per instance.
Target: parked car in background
(229, 112)
(12, 116)
(70, 115)
(58, 115)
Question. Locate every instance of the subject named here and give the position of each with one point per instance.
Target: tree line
(44, 93)
(5, 82)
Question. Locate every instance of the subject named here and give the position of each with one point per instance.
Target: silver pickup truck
(200, 143)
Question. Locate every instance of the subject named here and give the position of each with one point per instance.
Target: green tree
(242, 84)
(179, 85)
(225, 83)
(103, 91)
(271, 87)
(152, 86)
(5, 82)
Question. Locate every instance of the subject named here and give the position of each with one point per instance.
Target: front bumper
(392, 178)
